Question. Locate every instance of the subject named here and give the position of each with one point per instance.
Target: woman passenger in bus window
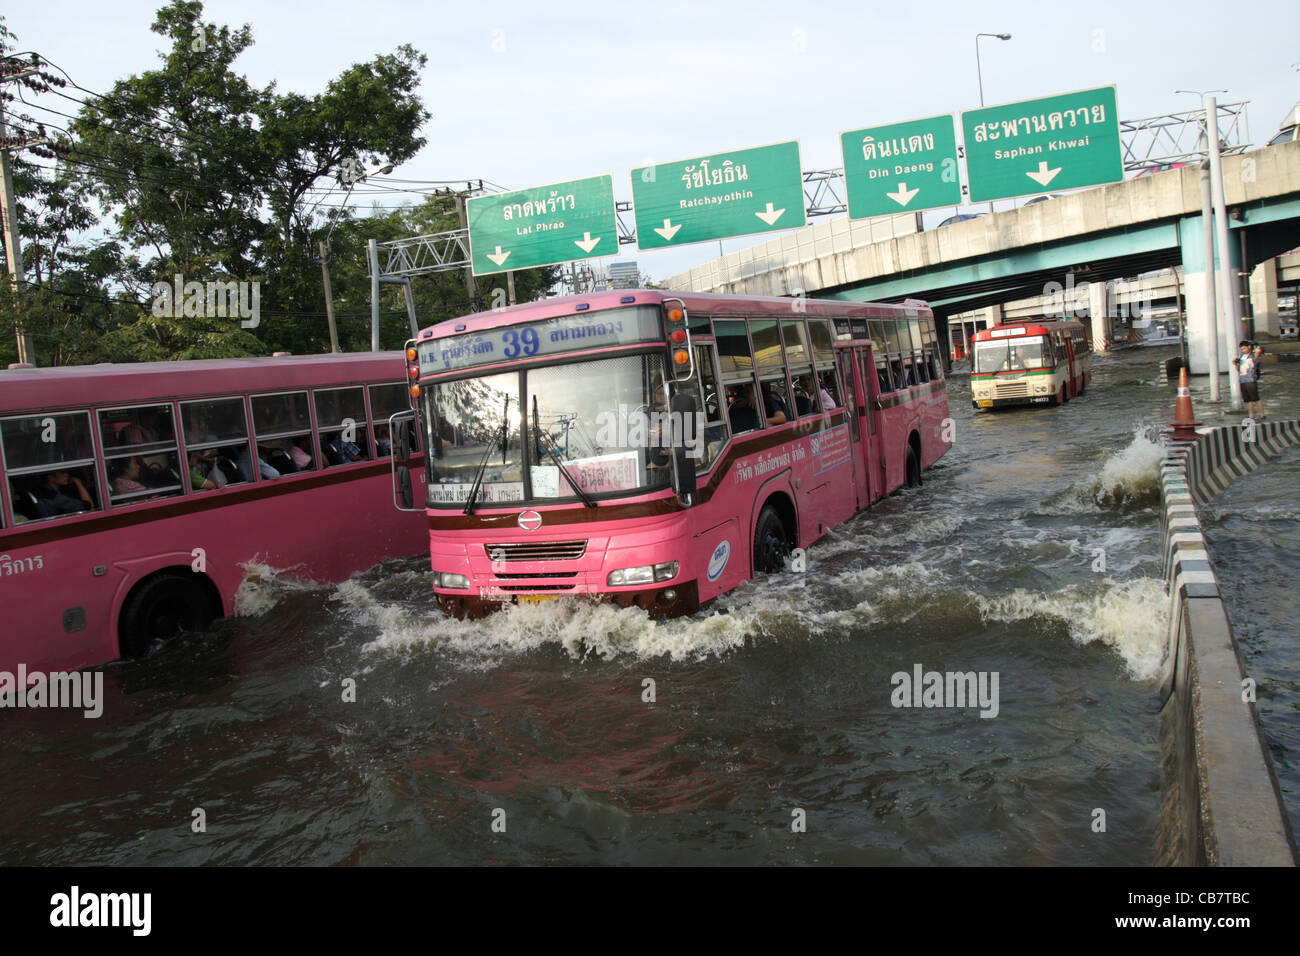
(300, 452)
(126, 474)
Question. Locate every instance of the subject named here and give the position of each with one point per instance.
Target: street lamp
(979, 73)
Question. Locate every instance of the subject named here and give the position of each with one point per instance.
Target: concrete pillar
(1263, 297)
(1198, 310)
(1099, 310)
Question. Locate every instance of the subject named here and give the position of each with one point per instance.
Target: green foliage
(208, 177)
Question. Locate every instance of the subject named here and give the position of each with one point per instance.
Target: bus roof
(1031, 327)
(105, 383)
(568, 305)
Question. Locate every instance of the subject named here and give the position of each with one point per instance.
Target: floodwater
(1031, 554)
(1253, 533)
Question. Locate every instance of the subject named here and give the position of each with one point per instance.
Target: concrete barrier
(1220, 804)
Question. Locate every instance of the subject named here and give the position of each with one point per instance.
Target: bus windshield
(593, 419)
(1013, 354)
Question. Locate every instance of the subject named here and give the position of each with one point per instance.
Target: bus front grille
(1013, 389)
(536, 551)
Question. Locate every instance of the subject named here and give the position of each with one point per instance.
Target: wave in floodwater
(264, 587)
(1128, 617)
(1124, 480)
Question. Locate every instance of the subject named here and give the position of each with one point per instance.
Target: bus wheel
(160, 608)
(913, 468)
(771, 542)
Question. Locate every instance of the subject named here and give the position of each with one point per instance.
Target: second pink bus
(658, 449)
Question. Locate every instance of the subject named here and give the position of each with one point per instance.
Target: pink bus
(658, 449)
(132, 496)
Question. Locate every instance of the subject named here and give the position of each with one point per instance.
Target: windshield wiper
(487, 453)
(545, 441)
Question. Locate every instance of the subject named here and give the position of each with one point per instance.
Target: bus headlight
(452, 582)
(646, 574)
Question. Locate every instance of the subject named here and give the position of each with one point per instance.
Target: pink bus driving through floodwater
(133, 496)
(656, 448)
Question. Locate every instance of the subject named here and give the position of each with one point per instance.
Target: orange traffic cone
(1184, 423)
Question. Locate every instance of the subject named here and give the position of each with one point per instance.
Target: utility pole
(329, 297)
(471, 289)
(9, 207)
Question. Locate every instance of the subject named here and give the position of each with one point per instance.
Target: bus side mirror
(401, 440)
(688, 442)
(399, 432)
(404, 492)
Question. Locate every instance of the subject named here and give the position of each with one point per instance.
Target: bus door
(871, 440)
(853, 402)
(1067, 349)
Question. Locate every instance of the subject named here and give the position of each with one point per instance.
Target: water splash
(1131, 617)
(1131, 476)
(263, 587)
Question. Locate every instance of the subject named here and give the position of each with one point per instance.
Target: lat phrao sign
(1034, 146)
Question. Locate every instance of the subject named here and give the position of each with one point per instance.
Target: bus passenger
(803, 404)
(263, 469)
(828, 398)
(62, 494)
(201, 478)
(300, 452)
(126, 474)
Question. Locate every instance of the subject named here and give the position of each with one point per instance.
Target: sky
(525, 93)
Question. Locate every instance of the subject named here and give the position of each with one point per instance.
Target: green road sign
(901, 167)
(739, 193)
(543, 225)
(1035, 146)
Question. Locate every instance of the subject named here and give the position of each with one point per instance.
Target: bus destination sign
(549, 337)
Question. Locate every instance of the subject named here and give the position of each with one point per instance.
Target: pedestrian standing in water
(1247, 364)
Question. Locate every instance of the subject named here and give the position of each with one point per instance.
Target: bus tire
(913, 473)
(771, 542)
(160, 608)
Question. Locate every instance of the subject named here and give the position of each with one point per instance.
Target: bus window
(141, 458)
(805, 391)
(796, 342)
(776, 401)
(50, 465)
(767, 344)
(280, 422)
(342, 425)
(829, 389)
(733, 347)
(216, 436)
(711, 406)
(741, 408)
(385, 401)
(819, 330)
(845, 370)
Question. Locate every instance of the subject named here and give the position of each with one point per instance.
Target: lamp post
(979, 73)
(1207, 233)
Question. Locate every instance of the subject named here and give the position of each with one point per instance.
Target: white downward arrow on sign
(499, 257)
(586, 243)
(668, 230)
(904, 195)
(1044, 175)
(770, 215)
